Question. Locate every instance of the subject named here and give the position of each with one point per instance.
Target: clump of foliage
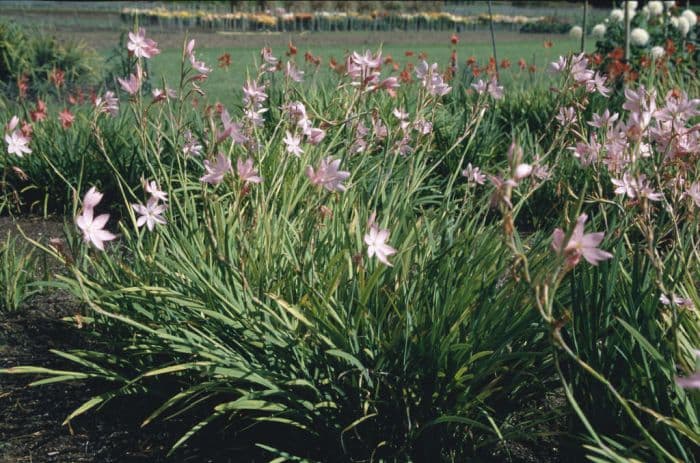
(33, 63)
(17, 273)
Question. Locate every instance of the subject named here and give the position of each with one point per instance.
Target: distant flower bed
(661, 35)
(320, 20)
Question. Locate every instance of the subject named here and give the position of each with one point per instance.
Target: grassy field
(223, 84)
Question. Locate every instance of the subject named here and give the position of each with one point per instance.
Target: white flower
(599, 31)
(17, 143)
(691, 17)
(376, 244)
(655, 8)
(683, 25)
(639, 37)
(576, 32)
(657, 52)
(631, 5)
(674, 22)
(150, 214)
(617, 15)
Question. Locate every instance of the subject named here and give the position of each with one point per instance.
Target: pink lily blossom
(91, 226)
(216, 170)
(140, 46)
(130, 85)
(327, 175)
(579, 244)
(150, 214)
(152, 189)
(247, 172)
(17, 144)
(375, 240)
(292, 142)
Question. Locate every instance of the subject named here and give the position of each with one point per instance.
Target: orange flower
(522, 64)
(471, 60)
(617, 54)
(670, 47)
(454, 39)
(292, 49)
(225, 60)
(408, 53)
(548, 44)
(505, 63)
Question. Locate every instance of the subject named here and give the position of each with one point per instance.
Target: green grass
(224, 84)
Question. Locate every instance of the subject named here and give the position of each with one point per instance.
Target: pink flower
(689, 382)
(215, 171)
(12, 124)
(161, 95)
(253, 93)
(480, 86)
(293, 72)
(597, 83)
(522, 171)
(131, 85)
(473, 175)
(17, 144)
(694, 193)
(495, 90)
(314, 135)
(247, 172)
(292, 142)
(604, 120)
(390, 84)
(231, 129)
(557, 66)
(579, 245)
(93, 227)
(376, 244)
(199, 66)
(191, 146)
(423, 127)
(152, 189)
(327, 175)
(92, 198)
(66, 118)
(107, 104)
(270, 61)
(140, 46)
(150, 214)
(566, 116)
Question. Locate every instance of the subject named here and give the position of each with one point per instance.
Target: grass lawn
(224, 84)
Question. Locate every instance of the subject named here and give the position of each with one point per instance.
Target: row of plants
(317, 20)
(381, 268)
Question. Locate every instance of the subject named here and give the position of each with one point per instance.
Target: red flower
(23, 85)
(292, 49)
(66, 118)
(39, 114)
(454, 39)
(225, 60)
(505, 63)
(57, 77)
(618, 53)
(522, 64)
